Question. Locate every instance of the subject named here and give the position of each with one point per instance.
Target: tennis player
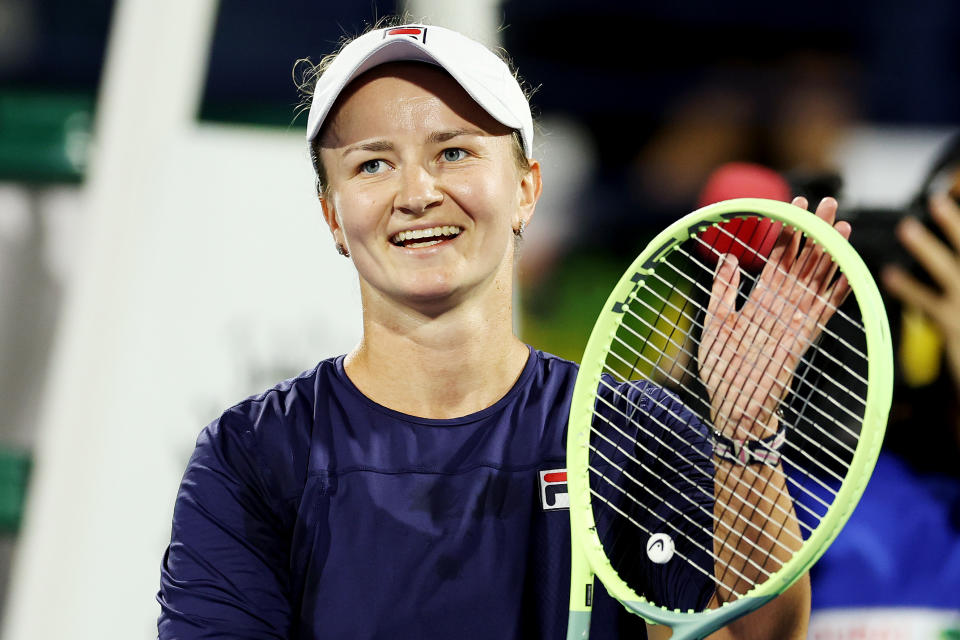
(414, 487)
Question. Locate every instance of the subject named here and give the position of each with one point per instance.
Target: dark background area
(602, 60)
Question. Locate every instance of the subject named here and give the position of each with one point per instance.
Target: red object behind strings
(750, 240)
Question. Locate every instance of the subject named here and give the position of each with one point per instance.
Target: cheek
(492, 196)
(358, 212)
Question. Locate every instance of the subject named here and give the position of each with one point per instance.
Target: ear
(333, 220)
(530, 187)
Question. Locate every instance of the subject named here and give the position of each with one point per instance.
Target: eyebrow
(444, 136)
(437, 137)
(376, 145)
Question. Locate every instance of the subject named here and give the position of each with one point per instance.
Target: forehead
(403, 95)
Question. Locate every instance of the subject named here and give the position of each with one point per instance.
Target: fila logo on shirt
(553, 489)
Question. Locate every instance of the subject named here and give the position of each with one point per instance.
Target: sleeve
(652, 473)
(225, 573)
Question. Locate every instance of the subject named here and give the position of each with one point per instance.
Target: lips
(415, 238)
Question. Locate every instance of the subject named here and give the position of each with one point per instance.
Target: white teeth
(432, 232)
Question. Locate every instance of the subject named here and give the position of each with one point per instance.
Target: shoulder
(288, 403)
(556, 363)
(547, 383)
(551, 370)
(269, 434)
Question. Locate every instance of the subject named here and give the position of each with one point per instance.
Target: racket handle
(578, 625)
(581, 593)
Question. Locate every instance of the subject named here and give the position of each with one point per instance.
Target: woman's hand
(747, 357)
(943, 265)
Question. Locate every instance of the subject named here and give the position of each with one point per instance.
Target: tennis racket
(726, 416)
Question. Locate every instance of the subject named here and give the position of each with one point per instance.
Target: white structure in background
(479, 19)
(208, 274)
(885, 166)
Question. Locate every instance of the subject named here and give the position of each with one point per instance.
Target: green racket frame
(588, 557)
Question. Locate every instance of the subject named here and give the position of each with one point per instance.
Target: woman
(394, 491)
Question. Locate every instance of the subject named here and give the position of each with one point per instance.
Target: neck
(438, 364)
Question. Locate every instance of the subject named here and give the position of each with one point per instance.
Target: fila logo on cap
(417, 33)
(553, 489)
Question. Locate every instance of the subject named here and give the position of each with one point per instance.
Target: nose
(418, 190)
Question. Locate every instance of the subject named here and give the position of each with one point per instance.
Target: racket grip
(578, 625)
(581, 592)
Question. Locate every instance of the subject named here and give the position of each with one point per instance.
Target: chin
(437, 294)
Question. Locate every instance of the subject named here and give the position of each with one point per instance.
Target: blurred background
(162, 253)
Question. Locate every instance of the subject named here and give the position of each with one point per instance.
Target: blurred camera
(874, 228)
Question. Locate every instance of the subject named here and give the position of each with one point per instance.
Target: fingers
(726, 282)
(938, 260)
(946, 213)
(844, 229)
(785, 249)
(810, 255)
(827, 210)
(911, 291)
(840, 291)
(815, 268)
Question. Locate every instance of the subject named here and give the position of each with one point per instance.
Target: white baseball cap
(482, 74)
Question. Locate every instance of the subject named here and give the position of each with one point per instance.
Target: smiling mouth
(416, 238)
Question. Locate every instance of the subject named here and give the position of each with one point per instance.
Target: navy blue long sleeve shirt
(311, 511)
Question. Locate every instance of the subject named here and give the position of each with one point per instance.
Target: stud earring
(518, 231)
(342, 250)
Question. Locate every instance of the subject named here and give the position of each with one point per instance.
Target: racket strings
(800, 396)
(795, 284)
(679, 512)
(818, 445)
(707, 534)
(669, 525)
(723, 231)
(709, 574)
(802, 419)
(841, 388)
(666, 372)
(716, 521)
(702, 419)
(692, 446)
(648, 433)
(747, 246)
(822, 266)
(747, 386)
(691, 482)
(694, 485)
(855, 353)
(838, 314)
(786, 457)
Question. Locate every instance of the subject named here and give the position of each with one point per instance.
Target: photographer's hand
(943, 265)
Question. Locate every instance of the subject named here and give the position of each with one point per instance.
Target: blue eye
(452, 155)
(372, 166)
